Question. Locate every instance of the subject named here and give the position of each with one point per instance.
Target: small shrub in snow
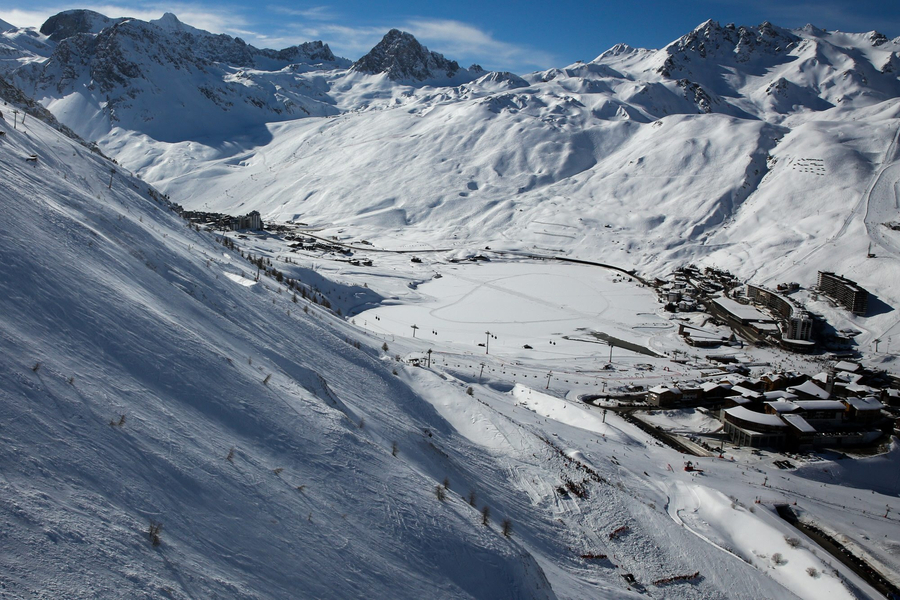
(120, 422)
(362, 423)
(278, 470)
(472, 498)
(507, 528)
(384, 347)
(230, 457)
(266, 380)
(778, 559)
(394, 371)
(440, 493)
(394, 445)
(812, 572)
(446, 482)
(470, 391)
(154, 531)
(36, 367)
(792, 541)
(486, 516)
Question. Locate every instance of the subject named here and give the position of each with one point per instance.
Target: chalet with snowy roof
(891, 397)
(663, 395)
(746, 392)
(779, 407)
(856, 390)
(732, 401)
(774, 381)
(801, 435)
(809, 390)
(691, 391)
(714, 391)
(780, 381)
(863, 411)
(778, 395)
(849, 367)
(822, 413)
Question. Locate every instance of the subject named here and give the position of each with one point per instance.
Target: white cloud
(313, 13)
(457, 39)
(25, 18)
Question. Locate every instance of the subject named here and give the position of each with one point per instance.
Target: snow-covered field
(550, 306)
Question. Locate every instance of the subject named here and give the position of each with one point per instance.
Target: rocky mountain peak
(170, 22)
(316, 51)
(73, 22)
(712, 38)
(729, 44)
(400, 55)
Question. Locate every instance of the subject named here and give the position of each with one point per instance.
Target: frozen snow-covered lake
(534, 303)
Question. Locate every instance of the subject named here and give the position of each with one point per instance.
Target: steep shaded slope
(143, 384)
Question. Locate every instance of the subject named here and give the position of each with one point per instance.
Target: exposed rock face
(305, 52)
(72, 22)
(128, 66)
(402, 57)
(728, 44)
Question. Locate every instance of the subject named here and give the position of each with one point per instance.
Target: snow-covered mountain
(132, 74)
(174, 423)
(648, 158)
(402, 58)
(766, 72)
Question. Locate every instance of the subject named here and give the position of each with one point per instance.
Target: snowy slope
(113, 307)
(21, 47)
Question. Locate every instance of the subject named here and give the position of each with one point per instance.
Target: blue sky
(500, 35)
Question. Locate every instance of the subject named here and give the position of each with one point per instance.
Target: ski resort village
(282, 324)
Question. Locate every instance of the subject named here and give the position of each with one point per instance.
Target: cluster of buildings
(791, 411)
(251, 221)
(760, 314)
